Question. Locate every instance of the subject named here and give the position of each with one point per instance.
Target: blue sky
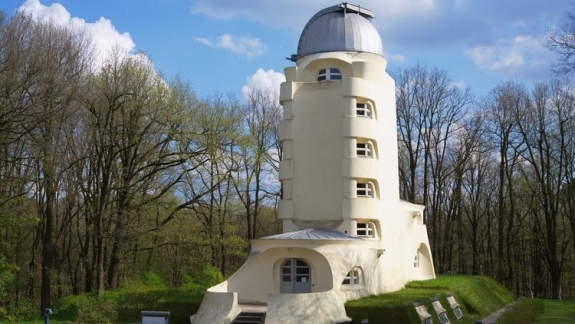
(222, 46)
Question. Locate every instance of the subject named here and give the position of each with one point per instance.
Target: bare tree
(429, 111)
(562, 42)
(543, 127)
(257, 156)
(61, 61)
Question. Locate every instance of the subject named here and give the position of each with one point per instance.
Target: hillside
(478, 296)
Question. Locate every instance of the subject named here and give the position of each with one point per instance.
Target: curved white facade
(320, 133)
(346, 234)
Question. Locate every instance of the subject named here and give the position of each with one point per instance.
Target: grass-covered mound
(477, 296)
(557, 312)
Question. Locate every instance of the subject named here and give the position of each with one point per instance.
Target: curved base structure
(306, 276)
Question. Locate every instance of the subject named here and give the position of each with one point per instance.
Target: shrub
(524, 311)
(7, 271)
(200, 281)
(181, 304)
(90, 308)
(24, 311)
(148, 281)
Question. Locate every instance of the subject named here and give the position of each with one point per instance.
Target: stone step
(250, 318)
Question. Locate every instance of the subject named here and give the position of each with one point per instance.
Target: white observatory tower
(346, 234)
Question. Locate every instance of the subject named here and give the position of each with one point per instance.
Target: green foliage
(25, 311)
(148, 281)
(90, 308)
(478, 297)
(181, 304)
(524, 311)
(399, 313)
(7, 271)
(200, 281)
(556, 311)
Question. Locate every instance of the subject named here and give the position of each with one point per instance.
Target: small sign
(155, 317)
(154, 320)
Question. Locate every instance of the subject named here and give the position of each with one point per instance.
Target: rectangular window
(364, 190)
(365, 229)
(363, 110)
(363, 149)
(335, 74)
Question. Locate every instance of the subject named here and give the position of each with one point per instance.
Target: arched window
(329, 74)
(353, 277)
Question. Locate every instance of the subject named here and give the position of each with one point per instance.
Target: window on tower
(366, 229)
(364, 149)
(365, 189)
(364, 110)
(329, 74)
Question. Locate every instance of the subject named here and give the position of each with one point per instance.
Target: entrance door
(296, 277)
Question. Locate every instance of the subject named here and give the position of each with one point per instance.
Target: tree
(544, 127)
(58, 61)
(144, 141)
(257, 157)
(429, 113)
(218, 211)
(563, 43)
(507, 102)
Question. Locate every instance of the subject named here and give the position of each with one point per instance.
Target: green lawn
(557, 312)
(478, 297)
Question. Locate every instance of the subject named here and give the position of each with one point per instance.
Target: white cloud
(406, 22)
(245, 45)
(519, 56)
(204, 41)
(399, 58)
(102, 32)
(264, 80)
(461, 84)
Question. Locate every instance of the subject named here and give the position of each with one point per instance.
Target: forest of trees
(109, 171)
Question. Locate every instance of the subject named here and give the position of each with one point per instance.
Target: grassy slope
(557, 312)
(478, 297)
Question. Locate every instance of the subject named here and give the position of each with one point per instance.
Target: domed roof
(343, 27)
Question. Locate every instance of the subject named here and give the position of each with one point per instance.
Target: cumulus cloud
(519, 56)
(246, 45)
(264, 80)
(105, 38)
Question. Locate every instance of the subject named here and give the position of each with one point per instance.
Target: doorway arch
(295, 277)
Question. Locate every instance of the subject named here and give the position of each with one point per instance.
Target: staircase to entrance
(251, 314)
(250, 318)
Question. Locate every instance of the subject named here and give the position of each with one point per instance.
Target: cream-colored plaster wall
(317, 180)
(320, 126)
(319, 173)
(317, 308)
(260, 274)
(217, 307)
